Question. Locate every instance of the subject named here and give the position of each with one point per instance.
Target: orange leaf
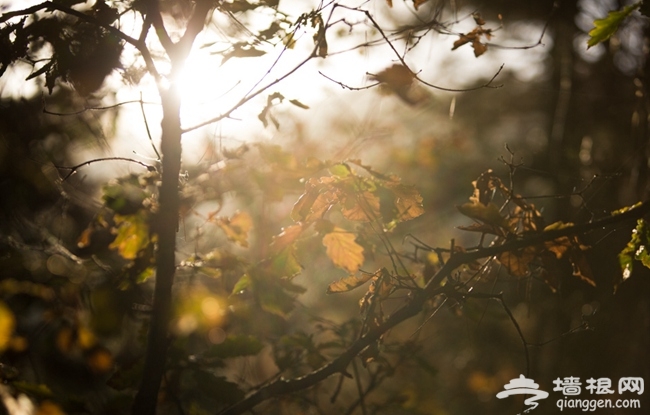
(364, 209)
(343, 250)
(286, 238)
(517, 262)
(408, 201)
(348, 283)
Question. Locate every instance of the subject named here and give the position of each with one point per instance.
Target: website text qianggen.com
(592, 404)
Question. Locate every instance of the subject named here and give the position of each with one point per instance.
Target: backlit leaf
(365, 207)
(237, 227)
(408, 201)
(487, 214)
(348, 283)
(606, 27)
(132, 234)
(7, 324)
(343, 250)
(285, 263)
(287, 237)
(517, 261)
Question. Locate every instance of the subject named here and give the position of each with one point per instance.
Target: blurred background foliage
(74, 307)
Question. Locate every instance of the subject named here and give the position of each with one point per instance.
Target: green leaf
(636, 249)
(235, 346)
(606, 27)
(132, 234)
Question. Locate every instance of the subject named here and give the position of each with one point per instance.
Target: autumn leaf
(581, 268)
(479, 48)
(364, 208)
(418, 3)
(408, 201)
(132, 234)
(487, 214)
(287, 237)
(561, 245)
(285, 263)
(348, 283)
(7, 324)
(606, 27)
(343, 250)
(237, 227)
(517, 261)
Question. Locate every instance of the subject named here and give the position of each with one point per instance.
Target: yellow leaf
(348, 283)
(7, 324)
(237, 227)
(343, 250)
(49, 408)
(132, 234)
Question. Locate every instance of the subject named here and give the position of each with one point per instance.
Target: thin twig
(146, 125)
(74, 169)
(108, 107)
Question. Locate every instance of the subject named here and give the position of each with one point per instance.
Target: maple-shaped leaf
(343, 250)
(132, 234)
(237, 227)
(606, 27)
(349, 283)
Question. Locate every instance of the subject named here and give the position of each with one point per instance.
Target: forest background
(330, 151)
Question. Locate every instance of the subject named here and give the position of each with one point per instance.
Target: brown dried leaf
(479, 48)
(517, 261)
(418, 3)
(581, 268)
(408, 201)
(237, 227)
(349, 283)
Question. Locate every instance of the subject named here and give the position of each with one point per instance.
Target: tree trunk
(165, 226)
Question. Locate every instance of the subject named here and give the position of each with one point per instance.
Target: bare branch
(414, 306)
(74, 169)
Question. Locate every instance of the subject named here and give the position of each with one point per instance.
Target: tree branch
(414, 306)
